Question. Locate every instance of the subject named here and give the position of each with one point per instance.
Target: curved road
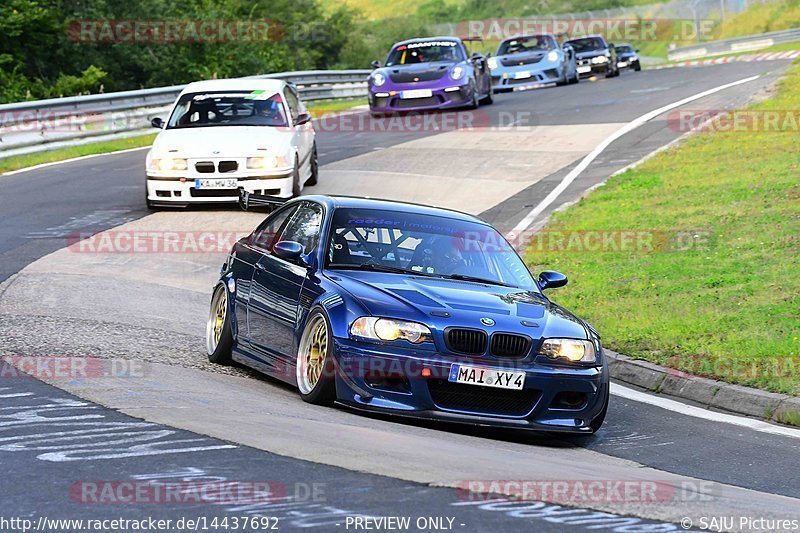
(151, 308)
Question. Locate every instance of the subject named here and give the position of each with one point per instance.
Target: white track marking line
(79, 158)
(587, 160)
(700, 412)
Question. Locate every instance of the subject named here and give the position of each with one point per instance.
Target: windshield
(587, 44)
(423, 245)
(425, 52)
(530, 43)
(229, 108)
(625, 49)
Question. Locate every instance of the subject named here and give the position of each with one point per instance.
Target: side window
(264, 236)
(293, 102)
(304, 227)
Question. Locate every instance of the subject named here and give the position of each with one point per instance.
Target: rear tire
(219, 338)
(315, 364)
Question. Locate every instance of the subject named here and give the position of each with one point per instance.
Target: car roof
(592, 36)
(335, 202)
(423, 39)
(529, 35)
(235, 84)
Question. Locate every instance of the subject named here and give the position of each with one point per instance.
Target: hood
(522, 58)
(418, 72)
(229, 141)
(430, 300)
(592, 53)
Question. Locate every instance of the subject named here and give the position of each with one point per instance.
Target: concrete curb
(709, 393)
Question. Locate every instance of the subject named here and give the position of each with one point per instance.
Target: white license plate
(524, 75)
(623, 63)
(488, 377)
(584, 70)
(416, 93)
(210, 183)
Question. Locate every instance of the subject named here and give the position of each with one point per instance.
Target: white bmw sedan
(226, 135)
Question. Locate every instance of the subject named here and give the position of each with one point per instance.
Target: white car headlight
(457, 73)
(492, 63)
(552, 56)
(572, 350)
(266, 162)
(168, 163)
(599, 60)
(389, 329)
(378, 79)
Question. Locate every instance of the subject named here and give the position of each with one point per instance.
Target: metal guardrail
(747, 43)
(40, 125)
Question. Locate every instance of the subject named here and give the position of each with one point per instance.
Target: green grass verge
(28, 160)
(727, 305)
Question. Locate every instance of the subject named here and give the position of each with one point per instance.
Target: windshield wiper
(463, 277)
(376, 267)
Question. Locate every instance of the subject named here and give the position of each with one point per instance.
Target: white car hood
(228, 141)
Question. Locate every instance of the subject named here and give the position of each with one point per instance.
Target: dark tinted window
(264, 236)
(304, 227)
(425, 52)
(229, 108)
(531, 43)
(587, 44)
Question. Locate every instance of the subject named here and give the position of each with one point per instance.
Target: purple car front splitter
(391, 98)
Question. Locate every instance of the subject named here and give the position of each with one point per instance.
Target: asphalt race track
(204, 422)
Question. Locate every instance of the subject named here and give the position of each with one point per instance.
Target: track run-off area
(176, 416)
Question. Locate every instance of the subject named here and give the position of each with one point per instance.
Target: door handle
(259, 266)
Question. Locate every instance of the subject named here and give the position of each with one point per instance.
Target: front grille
(516, 61)
(213, 193)
(408, 76)
(416, 102)
(484, 400)
(465, 341)
(228, 166)
(509, 345)
(204, 167)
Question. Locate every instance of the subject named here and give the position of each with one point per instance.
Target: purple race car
(430, 73)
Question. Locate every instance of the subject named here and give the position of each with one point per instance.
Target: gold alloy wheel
(216, 320)
(311, 355)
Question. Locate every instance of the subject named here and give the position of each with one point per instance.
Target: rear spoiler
(259, 202)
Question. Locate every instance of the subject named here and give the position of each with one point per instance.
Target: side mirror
(302, 118)
(375, 64)
(637, 50)
(475, 55)
(488, 55)
(611, 46)
(288, 250)
(550, 279)
(157, 122)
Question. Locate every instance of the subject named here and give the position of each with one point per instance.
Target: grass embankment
(719, 292)
(28, 160)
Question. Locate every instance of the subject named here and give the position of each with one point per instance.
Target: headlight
(457, 73)
(597, 60)
(389, 329)
(378, 79)
(265, 162)
(552, 56)
(492, 63)
(569, 349)
(168, 163)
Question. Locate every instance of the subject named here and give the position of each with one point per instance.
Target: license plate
(584, 70)
(416, 93)
(524, 75)
(488, 377)
(208, 183)
(623, 63)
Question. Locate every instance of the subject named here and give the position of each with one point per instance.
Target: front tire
(314, 168)
(219, 337)
(315, 364)
(474, 90)
(297, 188)
(599, 419)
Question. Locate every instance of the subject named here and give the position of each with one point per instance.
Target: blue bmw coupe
(405, 310)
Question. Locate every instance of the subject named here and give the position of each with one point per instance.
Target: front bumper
(586, 69)
(507, 78)
(171, 189)
(389, 380)
(388, 98)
